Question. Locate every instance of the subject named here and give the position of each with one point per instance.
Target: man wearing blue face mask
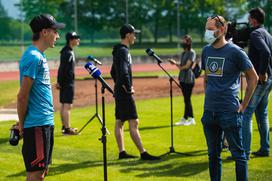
(223, 62)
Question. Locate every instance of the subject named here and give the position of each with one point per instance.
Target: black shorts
(67, 95)
(125, 109)
(37, 147)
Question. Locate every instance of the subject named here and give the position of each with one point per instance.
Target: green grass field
(80, 157)
(13, 53)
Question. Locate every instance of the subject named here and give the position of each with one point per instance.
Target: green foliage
(98, 19)
(35, 7)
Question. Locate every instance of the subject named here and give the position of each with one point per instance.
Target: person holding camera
(223, 63)
(125, 108)
(260, 54)
(66, 77)
(186, 79)
(35, 101)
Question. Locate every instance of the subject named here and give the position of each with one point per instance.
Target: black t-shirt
(66, 72)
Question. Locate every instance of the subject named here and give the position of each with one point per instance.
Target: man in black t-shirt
(125, 105)
(66, 76)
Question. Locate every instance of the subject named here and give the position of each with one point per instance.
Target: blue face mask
(209, 36)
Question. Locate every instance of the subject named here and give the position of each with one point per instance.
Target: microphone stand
(171, 80)
(96, 114)
(103, 139)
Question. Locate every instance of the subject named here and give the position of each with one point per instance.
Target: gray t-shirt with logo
(223, 67)
(187, 76)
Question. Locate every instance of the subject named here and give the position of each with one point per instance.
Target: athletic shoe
(147, 156)
(125, 155)
(190, 121)
(70, 131)
(62, 129)
(260, 153)
(181, 122)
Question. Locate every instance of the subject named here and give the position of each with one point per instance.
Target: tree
(35, 7)
(4, 23)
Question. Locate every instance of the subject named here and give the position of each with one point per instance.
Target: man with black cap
(125, 108)
(35, 101)
(66, 76)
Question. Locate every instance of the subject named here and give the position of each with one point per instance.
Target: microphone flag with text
(96, 74)
(151, 53)
(92, 58)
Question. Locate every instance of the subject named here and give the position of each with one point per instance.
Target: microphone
(96, 74)
(151, 53)
(90, 57)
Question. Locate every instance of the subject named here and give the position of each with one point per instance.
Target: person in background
(260, 54)
(66, 85)
(125, 108)
(186, 79)
(35, 101)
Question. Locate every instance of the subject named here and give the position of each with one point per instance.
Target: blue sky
(12, 10)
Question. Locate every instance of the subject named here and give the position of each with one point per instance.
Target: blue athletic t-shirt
(40, 108)
(223, 67)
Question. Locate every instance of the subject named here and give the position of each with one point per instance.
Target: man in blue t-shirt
(223, 63)
(34, 100)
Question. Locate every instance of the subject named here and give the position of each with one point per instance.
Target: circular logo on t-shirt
(213, 67)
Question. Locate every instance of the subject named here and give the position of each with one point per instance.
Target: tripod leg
(87, 123)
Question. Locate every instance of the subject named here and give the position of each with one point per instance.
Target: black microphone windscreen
(149, 51)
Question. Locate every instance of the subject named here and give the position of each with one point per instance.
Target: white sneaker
(190, 121)
(181, 122)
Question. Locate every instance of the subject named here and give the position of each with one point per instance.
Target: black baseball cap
(44, 21)
(128, 28)
(71, 35)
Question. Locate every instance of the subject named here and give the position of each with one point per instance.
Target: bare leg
(119, 135)
(65, 114)
(61, 113)
(135, 134)
(35, 176)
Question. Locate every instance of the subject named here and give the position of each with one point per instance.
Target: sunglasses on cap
(217, 17)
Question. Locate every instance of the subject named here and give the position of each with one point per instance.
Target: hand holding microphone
(96, 74)
(172, 61)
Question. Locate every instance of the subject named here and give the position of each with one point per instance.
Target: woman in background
(186, 79)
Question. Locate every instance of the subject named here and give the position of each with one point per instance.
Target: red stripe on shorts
(39, 146)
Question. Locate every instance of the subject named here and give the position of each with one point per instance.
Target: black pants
(187, 92)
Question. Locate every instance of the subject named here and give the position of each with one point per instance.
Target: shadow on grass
(171, 168)
(147, 168)
(150, 128)
(3, 140)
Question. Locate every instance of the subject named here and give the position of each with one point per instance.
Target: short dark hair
(258, 14)
(36, 36)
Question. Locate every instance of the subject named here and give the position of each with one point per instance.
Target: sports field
(80, 157)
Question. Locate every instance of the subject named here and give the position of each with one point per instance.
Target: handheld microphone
(96, 74)
(151, 53)
(90, 57)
